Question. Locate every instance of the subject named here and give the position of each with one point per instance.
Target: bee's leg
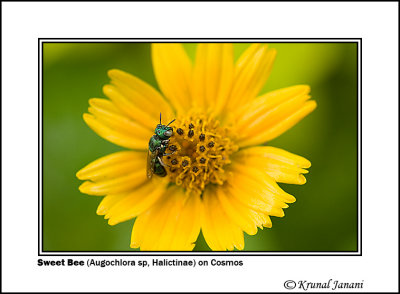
(161, 162)
(165, 154)
(164, 143)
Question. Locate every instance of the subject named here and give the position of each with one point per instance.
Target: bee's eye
(168, 133)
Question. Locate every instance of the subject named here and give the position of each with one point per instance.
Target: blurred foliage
(324, 217)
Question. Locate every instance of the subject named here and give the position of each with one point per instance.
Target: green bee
(157, 146)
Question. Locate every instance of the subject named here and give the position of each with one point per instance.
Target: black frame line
(41, 252)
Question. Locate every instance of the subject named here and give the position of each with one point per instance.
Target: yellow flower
(218, 180)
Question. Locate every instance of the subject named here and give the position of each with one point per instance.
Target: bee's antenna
(160, 118)
(171, 122)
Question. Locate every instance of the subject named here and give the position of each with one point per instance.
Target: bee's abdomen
(159, 170)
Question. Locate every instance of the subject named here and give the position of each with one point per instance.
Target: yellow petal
(261, 116)
(105, 112)
(207, 225)
(212, 76)
(187, 228)
(173, 69)
(251, 72)
(136, 202)
(218, 229)
(246, 218)
(145, 233)
(282, 166)
(120, 184)
(268, 101)
(257, 190)
(108, 202)
(251, 177)
(112, 165)
(127, 106)
(115, 173)
(115, 135)
(264, 121)
(139, 229)
(172, 223)
(142, 95)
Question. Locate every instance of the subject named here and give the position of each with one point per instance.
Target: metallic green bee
(157, 146)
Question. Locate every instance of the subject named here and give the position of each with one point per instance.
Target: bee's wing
(150, 164)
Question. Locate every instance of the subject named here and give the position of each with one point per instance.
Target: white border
(375, 22)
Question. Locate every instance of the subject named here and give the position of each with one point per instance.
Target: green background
(324, 217)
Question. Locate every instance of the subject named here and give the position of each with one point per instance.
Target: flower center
(200, 149)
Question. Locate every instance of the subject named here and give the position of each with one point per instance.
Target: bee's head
(164, 132)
